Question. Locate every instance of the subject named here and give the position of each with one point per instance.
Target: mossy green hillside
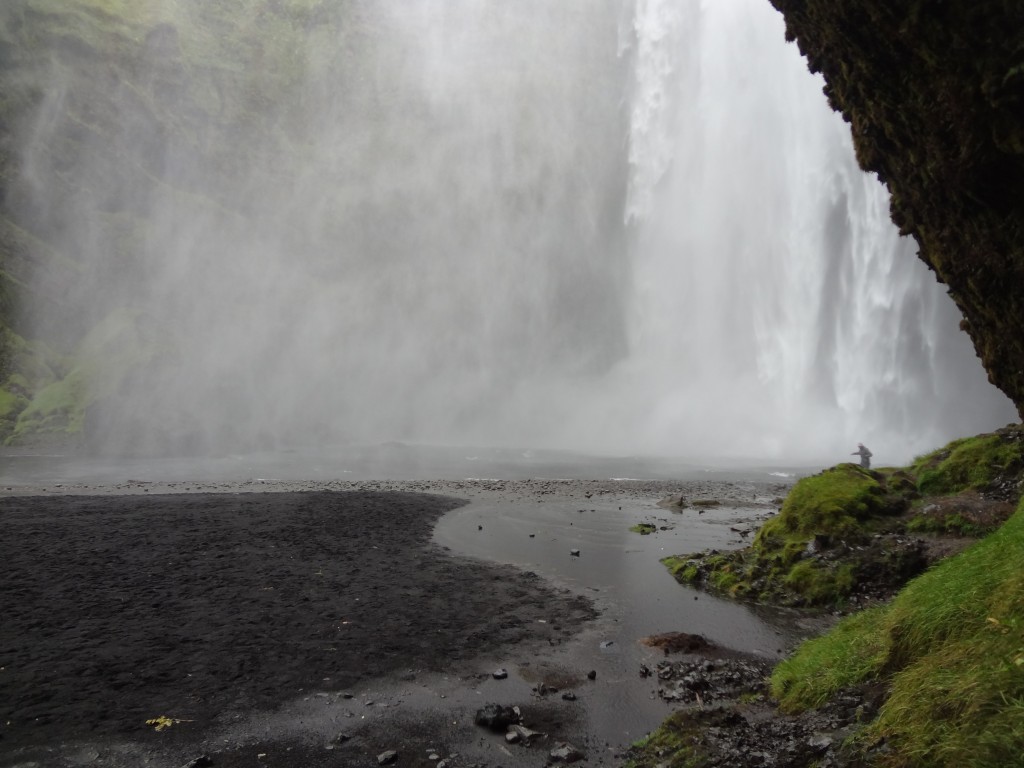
(121, 343)
(971, 463)
(789, 560)
(842, 531)
(950, 650)
(123, 84)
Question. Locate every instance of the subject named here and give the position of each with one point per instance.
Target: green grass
(644, 529)
(951, 649)
(839, 503)
(954, 524)
(834, 502)
(973, 462)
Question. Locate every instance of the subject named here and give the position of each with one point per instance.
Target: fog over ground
(619, 226)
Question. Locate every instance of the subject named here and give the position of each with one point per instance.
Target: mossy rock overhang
(934, 94)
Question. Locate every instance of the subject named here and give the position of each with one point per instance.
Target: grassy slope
(823, 545)
(950, 648)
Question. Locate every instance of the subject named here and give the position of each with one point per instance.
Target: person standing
(865, 455)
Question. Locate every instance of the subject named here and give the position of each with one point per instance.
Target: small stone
(388, 757)
(820, 741)
(566, 753)
(574, 552)
(499, 674)
(592, 674)
(203, 761)
(569, 696)
(519, 733)
(496, 717)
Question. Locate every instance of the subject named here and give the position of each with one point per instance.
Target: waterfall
(775, 304)
(610, 225)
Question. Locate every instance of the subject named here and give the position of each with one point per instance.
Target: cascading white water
(776, 308)
(621, 226)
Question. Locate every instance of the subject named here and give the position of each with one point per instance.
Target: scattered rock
(574, 552)
(569, 696)
(518, 734)
(388, 757)
(565, 752)
(338, 740)
(497, 717)
(203, 761)
(592, 674)
(499, 674)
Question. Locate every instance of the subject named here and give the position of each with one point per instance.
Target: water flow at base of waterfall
(620, 227)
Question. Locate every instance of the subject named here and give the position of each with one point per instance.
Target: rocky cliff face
(934, 94)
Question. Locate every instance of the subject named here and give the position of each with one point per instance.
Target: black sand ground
(118, 609)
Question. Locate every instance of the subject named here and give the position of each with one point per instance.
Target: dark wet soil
(116, 610)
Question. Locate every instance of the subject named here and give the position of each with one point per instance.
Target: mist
(603, 225)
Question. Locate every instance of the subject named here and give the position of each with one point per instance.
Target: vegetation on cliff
(949, 650)
(101, 100)
(935, 677)
(934, 94)
(849, 532)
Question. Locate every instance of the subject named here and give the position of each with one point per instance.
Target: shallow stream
(620, 570)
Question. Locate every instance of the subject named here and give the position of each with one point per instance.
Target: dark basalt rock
(934, 94)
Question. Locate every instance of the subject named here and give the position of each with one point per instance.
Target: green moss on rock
(972, 463)
(794, 557)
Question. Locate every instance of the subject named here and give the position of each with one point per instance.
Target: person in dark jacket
(865, 455)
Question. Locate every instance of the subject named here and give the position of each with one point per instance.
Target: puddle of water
(620, 570)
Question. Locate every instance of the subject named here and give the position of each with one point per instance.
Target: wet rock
(497, 717)
(518, 734)
(564, 752)
(389, 757)
(820, 741)
(337, 741)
